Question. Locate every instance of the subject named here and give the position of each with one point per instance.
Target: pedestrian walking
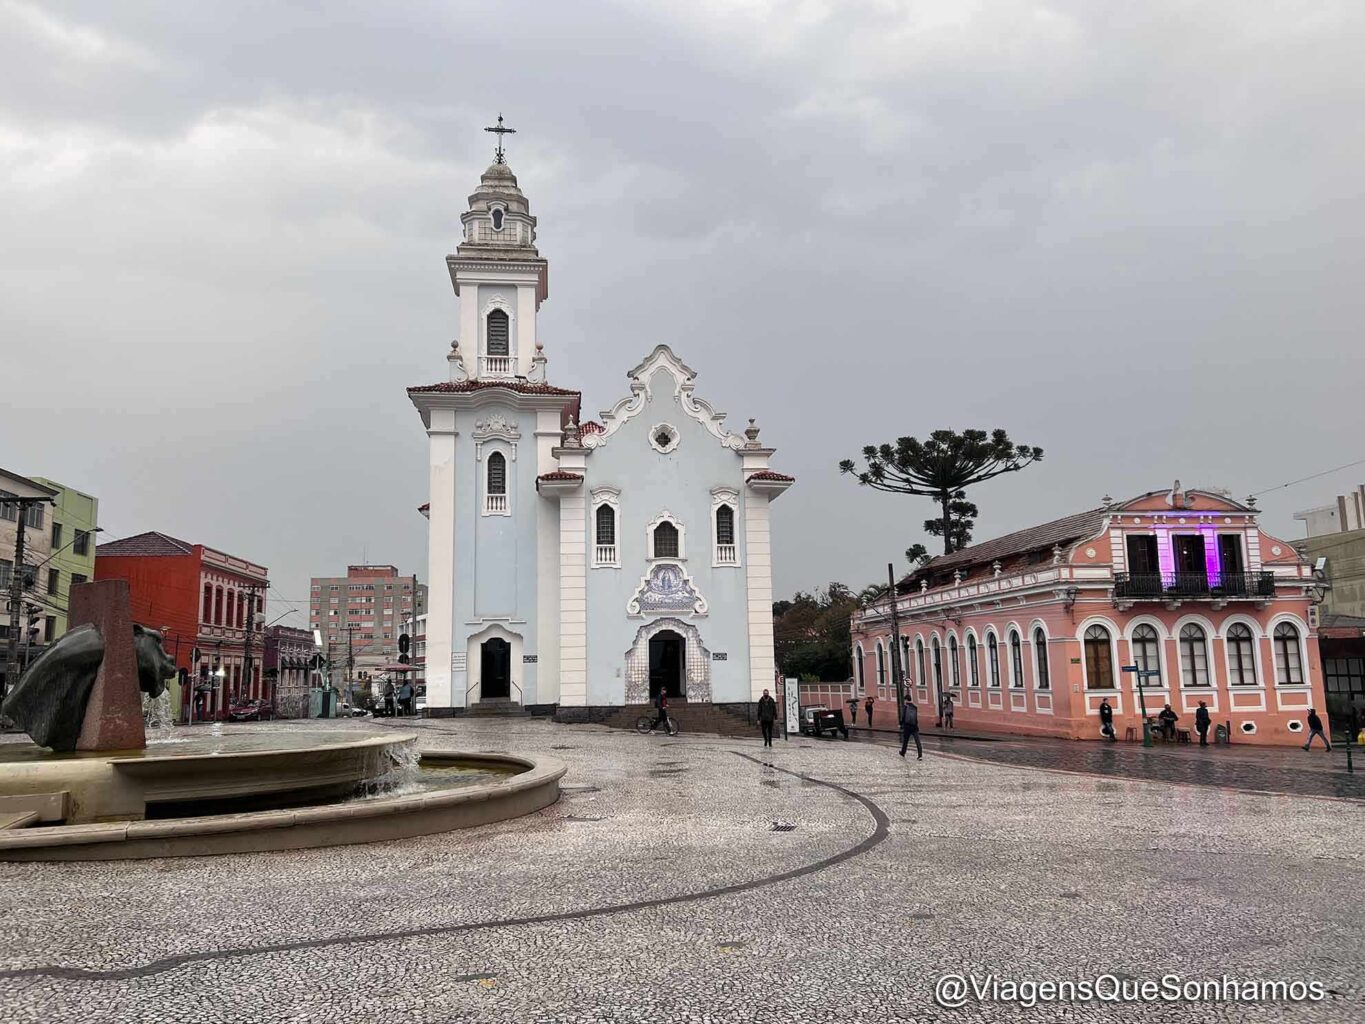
(1315, 729)
(853, 711)
(948, 711)
(1202, 721)
(1107, 720)
(767, 715)
(867, 707)
(405, 697)
(910, 727)
(388, 699)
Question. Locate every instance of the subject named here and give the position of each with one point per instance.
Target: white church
(579, 565)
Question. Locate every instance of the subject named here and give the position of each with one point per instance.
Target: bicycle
(644, 725)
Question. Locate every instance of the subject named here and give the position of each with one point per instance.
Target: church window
(604, 551)
(663, 438)
(495, 491)
(727, 552)
(666, 541)
(499, 333)
(497, 218)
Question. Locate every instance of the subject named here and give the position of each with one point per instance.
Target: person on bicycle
(661, 703)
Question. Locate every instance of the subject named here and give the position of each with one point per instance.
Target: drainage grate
(784, 826)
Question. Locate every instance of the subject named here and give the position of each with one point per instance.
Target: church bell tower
(501, 280)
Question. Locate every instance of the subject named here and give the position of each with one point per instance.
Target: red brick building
(204, 600)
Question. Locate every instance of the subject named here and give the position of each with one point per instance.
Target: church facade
(582, 565)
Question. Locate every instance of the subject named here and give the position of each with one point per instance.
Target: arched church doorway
(495, 669)
(667, 664)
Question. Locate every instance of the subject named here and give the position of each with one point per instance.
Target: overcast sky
(1127, 232)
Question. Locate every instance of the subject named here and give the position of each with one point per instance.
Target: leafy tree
(811, 634)
(942, 468)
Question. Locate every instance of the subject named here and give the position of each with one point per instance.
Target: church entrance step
(495, 707)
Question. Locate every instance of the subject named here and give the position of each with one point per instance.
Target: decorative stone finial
(1107, 501)
(456, 361)
(573, 437)
(1056, 554)
(957, 575)
(751, 432)
(536, 375)
(923, 586)
(1251, 500)
(995, 567)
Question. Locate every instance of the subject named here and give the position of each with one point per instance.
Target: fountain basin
(528, 786)
(120, 786)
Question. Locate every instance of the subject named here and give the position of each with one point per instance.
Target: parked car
(818, 720)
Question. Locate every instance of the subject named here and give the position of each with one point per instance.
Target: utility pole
(896, 672)
(16, 593)
(250, 623)
(350, 661)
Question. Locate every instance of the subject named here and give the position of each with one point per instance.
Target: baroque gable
(679, 380)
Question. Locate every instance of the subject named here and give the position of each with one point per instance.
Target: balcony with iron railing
(497, 366)
(1183, 586)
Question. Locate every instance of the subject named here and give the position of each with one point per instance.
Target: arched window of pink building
(1288, 661)
(919, 658)
(881, 664)
(217, 606)
(1241, 655)
(973, 672)
(993, 660)
(954, 669)
(1044, 681)
(1194, 656)
(938, 666)
(1016, 659)
(1099, 659)
(241, 611)
(905, 661)
(858, 663)
(1146, 651)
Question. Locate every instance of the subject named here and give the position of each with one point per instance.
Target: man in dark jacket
(767, 715)
(1167, 719)
(910, 727)
(1107, 720)
(1315, 729)
(1202, 721)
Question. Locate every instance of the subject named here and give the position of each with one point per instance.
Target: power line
(1304, 479)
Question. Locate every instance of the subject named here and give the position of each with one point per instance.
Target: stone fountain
(90, 787)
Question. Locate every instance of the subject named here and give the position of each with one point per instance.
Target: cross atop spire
(500, 130)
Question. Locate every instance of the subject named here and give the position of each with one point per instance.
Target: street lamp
(1143, 673)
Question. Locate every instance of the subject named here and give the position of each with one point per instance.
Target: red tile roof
(1058, 532)
(592, 427)
(559, 474)
(521, 387)
(768, 474)
(149, 543)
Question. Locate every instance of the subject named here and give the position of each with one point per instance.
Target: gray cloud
(1128, 233)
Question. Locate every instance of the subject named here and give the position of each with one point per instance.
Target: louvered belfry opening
(497, 474)
(725, 525)
(499, 334)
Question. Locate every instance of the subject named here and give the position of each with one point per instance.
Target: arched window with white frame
(1288, 657)
(1044, 679)
(858, 666)
(881, 664)
(1146, 647)
(499, 333)
(919, 662)
(727, 551)
(973, 667)
(666, 540)
(605, 550)
(993, 661)
(1194, 655)
(1099, 658)
(495, 501)
(1016, 660)
(1241, 645)
(954, 669)
(938, 664)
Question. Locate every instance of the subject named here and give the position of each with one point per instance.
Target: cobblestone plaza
(659, 890)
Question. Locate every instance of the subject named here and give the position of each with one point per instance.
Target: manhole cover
(784, 826)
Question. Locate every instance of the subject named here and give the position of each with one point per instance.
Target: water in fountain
(159, 718)
(394, 771)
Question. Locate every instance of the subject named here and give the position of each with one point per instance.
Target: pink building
(1029, 632)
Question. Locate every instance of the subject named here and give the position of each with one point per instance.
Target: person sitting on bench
(1168, 718)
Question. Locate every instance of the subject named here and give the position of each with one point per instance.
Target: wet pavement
(1249, 769)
